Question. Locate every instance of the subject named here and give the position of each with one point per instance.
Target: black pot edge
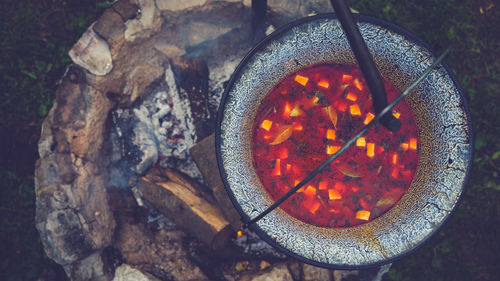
(360, 18)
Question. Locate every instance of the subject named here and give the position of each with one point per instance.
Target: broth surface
(309, 115)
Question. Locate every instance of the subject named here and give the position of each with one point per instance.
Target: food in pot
(308, 116)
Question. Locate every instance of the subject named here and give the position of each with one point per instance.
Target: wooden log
(203, 154)
(189, 211)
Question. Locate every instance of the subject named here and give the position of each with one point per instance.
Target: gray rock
(92, 53)
(279, 272)
(313, 273)
(178, 5)
(126, 8)
(90, 268)
(282, 12)
(148, 22)
(127, 273)
(110, 26)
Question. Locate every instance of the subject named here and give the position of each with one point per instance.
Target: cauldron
(442, 119)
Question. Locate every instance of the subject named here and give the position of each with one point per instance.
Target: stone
(282, 12)
(313, 273)
(126, 9)
(295, 269)
(126, 272)
(278, 272)
(92, 53)
(147, 69)
(178, 5)
(345, 275)
(92, 267)
(72, 211)
(148, 22)
(110, 26)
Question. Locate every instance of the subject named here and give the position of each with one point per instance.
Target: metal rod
(365, 62)
(349, 142)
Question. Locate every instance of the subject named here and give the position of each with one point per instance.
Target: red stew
(308, 116)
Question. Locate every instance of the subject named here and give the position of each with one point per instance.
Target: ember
(363, 183)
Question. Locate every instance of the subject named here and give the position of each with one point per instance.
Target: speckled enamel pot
(443, 124)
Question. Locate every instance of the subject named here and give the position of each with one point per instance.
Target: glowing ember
(307, 117)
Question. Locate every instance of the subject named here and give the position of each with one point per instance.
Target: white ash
(158, 129)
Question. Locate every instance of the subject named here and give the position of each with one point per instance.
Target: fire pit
(444, 148)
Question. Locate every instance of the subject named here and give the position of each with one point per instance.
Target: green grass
(37, 34)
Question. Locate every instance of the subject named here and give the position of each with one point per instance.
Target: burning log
(180, 201)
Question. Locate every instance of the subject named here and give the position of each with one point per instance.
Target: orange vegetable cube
(330, 134)
(334, 194)
(331, 149)
(369, 118)
(396, 114)
(370, 149)
(363, 215)
(413, 143)
(301, 79)
(346, 78)
(266, 125)
(355, 111)
(351, 96)
(324, 84)
(361, 142)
